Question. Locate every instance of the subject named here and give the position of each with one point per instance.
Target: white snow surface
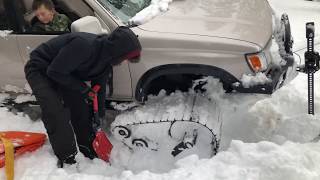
(5, 33)
(123, 106)
(156, 8)
(12, 88)
(24, 98)
(263, 137)
(249, 80)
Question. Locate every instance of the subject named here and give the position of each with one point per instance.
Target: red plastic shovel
(101, 143)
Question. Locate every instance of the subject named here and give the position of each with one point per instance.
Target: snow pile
(24, 98)
(123, 106)
(249, 80)
(276, 118)
(11, 88)
(263, 161)
(283, 116)
(178, 106)
(152, 122)
(11, 122)
(5, 33)
(3, 97)
(156, 8)
(27, 88)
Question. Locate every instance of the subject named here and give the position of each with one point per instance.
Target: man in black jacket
(57, 72)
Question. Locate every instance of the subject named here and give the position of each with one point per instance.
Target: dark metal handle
(312, 59)
(96, 118)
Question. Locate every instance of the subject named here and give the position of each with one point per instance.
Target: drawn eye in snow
(140, 143)
(122, 132)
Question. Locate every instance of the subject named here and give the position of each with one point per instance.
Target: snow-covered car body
(192, 39)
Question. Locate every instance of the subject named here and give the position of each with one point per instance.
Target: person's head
(44, 10)
(126, 45)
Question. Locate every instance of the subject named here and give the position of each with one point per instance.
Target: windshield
(125, 9)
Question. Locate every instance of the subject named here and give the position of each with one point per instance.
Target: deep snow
(263, 137)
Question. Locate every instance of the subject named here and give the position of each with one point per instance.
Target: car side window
(4, 21)
(20, 17)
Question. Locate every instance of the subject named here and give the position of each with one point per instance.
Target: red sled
(23, 142)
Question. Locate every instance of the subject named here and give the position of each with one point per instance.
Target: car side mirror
(89, 24)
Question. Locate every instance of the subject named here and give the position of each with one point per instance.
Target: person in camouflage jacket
(49, 19)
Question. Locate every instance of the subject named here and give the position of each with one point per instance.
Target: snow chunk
(24, 98)
(123, 106)
(258, 79)
(11, 122)
(11, 88)
(28, 88)
(156, 8)
(5, 33)
(283, 116)
(3, 97)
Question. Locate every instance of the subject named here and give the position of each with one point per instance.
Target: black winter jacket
(73, 58)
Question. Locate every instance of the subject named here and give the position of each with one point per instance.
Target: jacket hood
(124, 44)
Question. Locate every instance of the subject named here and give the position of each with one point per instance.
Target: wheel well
(172, 82)
(178, 77)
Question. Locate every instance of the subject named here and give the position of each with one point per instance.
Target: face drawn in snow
(168, 128)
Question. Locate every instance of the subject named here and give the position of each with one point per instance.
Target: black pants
(65, 114)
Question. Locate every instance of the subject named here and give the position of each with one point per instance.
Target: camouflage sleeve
(63, 23)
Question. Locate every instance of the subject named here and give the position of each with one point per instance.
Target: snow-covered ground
(263, 137)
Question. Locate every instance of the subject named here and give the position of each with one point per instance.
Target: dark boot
(88, 151)
(70, 161)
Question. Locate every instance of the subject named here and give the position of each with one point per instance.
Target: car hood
(245, 20)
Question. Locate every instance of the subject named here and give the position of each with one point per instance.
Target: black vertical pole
(311, 93)
(310, 65)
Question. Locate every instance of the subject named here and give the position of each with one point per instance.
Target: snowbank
(248, 118)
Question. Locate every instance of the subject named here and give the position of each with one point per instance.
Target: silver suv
(226, 39)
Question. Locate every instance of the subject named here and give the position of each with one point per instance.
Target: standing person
(57, 72)
(49, 19)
